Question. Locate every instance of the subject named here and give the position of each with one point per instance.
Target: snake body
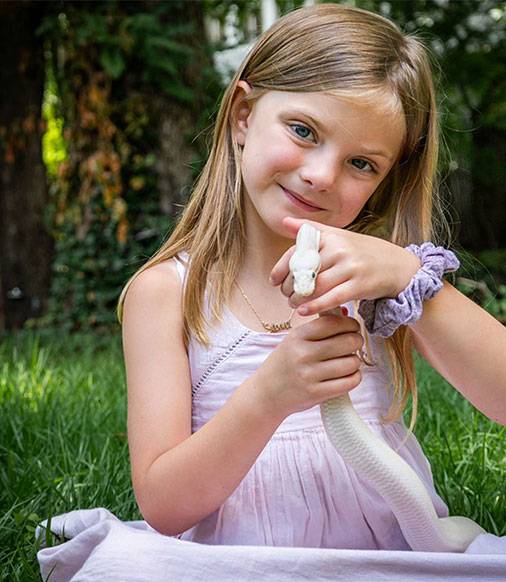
(370, 457)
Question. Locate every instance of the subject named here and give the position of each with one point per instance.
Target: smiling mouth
(300, 199)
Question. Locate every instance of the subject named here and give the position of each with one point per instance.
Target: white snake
(370, 457)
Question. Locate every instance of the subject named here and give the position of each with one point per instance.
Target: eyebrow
(319, 126)
(380, 153)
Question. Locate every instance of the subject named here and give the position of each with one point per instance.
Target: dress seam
(296, 432)
(221, 358)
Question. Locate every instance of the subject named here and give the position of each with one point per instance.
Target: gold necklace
(270, 327)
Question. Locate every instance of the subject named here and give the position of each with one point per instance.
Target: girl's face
(331, 153)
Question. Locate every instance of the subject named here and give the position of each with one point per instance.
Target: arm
(458, 338)
(180, 478)
(467, 346)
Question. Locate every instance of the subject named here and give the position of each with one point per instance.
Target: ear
(240, 111)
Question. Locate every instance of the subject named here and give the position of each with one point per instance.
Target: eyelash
(372, 170)
(300, 125)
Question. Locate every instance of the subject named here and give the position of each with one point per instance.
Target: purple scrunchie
(383, 316)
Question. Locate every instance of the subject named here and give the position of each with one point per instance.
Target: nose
(320, 173)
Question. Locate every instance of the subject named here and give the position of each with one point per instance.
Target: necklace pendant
(275, 327)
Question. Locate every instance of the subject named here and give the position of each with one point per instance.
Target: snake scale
(370, 457)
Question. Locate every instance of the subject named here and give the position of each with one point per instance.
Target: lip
(300, 202)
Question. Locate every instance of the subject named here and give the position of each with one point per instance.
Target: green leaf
(112, 61)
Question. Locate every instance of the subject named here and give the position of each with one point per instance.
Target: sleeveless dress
(299, 492)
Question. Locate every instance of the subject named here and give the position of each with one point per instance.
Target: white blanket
(103, 548)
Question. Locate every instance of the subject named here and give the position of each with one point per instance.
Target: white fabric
(105, 549)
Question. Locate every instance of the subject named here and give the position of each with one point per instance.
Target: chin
(276, 226)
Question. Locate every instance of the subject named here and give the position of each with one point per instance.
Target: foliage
(53, 145)
(241, 11)
(111, 65)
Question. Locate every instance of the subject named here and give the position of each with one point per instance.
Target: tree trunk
(177, 149)
(25, 245)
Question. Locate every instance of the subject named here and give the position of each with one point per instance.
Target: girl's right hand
(315, 362)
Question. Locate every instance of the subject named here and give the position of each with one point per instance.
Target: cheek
(357, 193)
(283, 150)
(283, 157)
(265, 158)
(354, 198)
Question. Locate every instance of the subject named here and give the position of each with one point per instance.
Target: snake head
(304, 266)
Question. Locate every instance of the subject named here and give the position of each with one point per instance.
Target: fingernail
(303, 310)
(344, 310)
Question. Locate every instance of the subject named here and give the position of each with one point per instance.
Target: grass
(62, 438)
(63, 444)
(465, 450)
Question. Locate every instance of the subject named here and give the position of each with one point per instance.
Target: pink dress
(298, 500)
(299, 492)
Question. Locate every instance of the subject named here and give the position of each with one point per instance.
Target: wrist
(383, 316)
(260, 403)
(410, 265)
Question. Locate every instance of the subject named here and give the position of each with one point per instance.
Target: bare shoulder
(157, 291)
(155, 280)
(152, 311)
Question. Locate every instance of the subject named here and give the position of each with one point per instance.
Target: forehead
(375, 120)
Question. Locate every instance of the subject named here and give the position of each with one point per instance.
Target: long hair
(354, 54)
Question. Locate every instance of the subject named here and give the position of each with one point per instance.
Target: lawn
(63, 442)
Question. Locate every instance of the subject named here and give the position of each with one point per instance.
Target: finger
(340, 386)
(281, 269)
(328, 327)
(293, 224)
(295, 300)
(342, 343)
(327, 279)
(287, 287)
(338, 367)
(333, 299)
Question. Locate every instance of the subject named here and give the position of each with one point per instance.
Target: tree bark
(25, 244)
(177, 122)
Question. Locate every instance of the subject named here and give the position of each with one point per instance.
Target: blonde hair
(351, 53)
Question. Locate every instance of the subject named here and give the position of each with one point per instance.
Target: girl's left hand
(353, 266)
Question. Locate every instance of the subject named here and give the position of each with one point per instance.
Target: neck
(264, 248)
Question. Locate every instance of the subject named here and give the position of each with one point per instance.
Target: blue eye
(362, 165)
(303, 128)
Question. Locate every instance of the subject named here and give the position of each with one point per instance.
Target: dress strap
(181, 261)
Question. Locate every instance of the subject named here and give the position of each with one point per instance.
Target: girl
(335, 107)
(330, 119)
